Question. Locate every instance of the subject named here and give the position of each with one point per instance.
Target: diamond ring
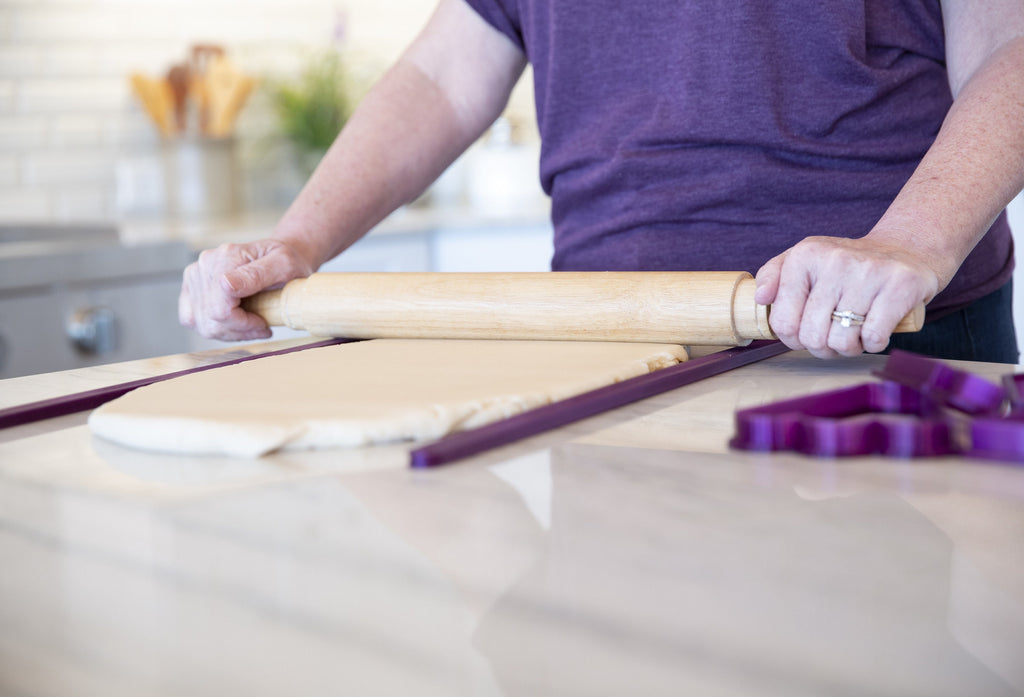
(846, 318)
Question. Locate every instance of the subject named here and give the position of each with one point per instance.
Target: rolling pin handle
(912, 322)
(269, 305)
(749, 318)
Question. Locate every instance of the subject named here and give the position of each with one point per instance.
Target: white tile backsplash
(7, 91)
(71, 60)
(9, 166)
(23, 204)
(85, 202)
(19, 61)
(77, 130)
(58, 96)
(18, 134)
(69, 167)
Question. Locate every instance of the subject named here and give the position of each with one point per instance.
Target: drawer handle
(91, 330)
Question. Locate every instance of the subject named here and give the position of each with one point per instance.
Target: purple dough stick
(466, 443)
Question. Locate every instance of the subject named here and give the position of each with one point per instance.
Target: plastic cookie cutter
(958, 389)
(922, 408)
(1014, 386)
(1002, 438)
(884, 418)
(997, 431)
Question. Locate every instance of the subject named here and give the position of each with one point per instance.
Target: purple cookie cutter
(923, 408)
(883, 418)
(958, 389)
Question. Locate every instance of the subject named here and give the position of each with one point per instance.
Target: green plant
(313, 108)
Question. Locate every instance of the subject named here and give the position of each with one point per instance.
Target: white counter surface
(630, 554)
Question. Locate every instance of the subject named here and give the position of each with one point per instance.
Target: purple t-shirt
(698, 135)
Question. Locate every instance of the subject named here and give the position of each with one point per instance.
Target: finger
(845, 337)
(887, 310)
(185, 315)
(816, 323)
(271, 266)
(858, 298)
(260, 274)
(212, 308)
(243, 326)
(876, 332)
(767, 280)
(788, 303)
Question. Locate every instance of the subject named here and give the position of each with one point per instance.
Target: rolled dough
(365, 392)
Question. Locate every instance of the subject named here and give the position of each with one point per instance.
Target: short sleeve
(503, 15)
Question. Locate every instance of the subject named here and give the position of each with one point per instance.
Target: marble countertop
(629, 554)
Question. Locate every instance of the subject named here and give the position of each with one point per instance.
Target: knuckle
(813, 339)
(206, 257)
(783, 325)
(874, 340)
(219, 317)
(250, 276)
(845, 346)
(219, 312)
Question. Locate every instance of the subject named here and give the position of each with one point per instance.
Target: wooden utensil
(179, 78)
(224, 91)
(694, 308)
(157, 99)
(201, 57)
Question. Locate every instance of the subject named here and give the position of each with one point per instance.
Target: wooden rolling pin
(709, 308)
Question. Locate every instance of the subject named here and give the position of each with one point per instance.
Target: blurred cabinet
(75, 297)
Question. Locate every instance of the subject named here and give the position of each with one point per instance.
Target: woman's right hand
(214, 285)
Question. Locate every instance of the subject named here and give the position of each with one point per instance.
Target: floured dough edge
(176, 435)
(190, 436)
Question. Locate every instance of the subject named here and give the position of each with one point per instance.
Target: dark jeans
(982, 331)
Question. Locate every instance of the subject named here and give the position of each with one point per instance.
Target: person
(856, 155)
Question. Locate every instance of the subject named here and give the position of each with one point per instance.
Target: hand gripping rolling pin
(708, 308)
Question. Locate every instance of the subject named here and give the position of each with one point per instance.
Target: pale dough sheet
(365, 392)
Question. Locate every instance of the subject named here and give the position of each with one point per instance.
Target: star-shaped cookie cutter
(921, 408)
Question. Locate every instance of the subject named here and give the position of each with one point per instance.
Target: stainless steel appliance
(74, 296)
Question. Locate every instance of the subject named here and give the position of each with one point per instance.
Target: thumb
(767, 280)
(259, 274)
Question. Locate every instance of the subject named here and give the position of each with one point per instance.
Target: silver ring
(846, 318)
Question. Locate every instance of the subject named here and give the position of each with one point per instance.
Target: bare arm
(973, 169)
(444, 91)
(447, 88)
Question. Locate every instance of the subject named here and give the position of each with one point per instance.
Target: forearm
(974, 168)
(448, 86)
(399, 140)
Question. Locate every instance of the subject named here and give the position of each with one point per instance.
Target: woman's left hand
(865, 278)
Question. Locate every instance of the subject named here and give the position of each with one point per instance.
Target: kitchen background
(69, 123)
(98, 212)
